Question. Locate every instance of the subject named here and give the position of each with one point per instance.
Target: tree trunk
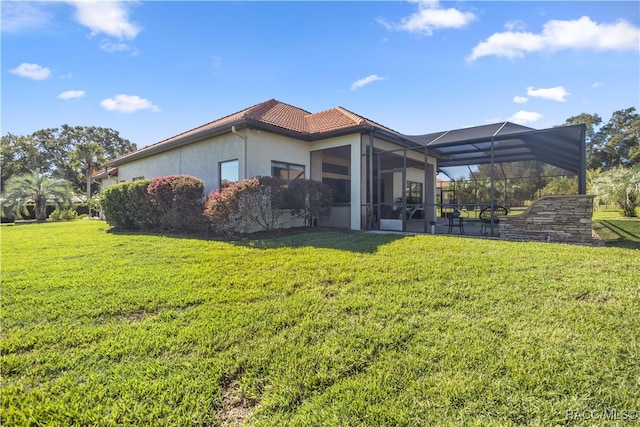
(88, 178)
(41, 208)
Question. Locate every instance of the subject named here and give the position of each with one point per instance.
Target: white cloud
(524, 117)
(579, 34)
(557, 93)
(128, 104)
(597, 84)
(365, 81)
(111, 47)
(516, 25)
(430, 17)
(106, 17)
(20, 16)
(520, 99)
(71, 94)
(32, 71)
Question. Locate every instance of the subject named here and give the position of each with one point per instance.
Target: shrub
(128, 206)
(262, 200)
(259, 203)
(222, 210)
(246, 205)
(179, 200)
(309, 199)
(63, 215)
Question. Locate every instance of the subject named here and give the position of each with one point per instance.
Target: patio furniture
(455, 220)
(489, 217)
(415, 212)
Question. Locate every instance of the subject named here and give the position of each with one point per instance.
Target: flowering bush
(222, 210)
(245, 205)
(179, 200)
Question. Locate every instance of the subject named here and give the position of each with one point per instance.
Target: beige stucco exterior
(199, 159)
(256, 149)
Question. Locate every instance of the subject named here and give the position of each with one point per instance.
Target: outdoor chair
(488, 216)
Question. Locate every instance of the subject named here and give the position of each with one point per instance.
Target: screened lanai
(494, 144)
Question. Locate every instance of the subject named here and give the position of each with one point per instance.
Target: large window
(228, 172)
(336, 172)
(414, 193)
(340, 189)
(287, 171)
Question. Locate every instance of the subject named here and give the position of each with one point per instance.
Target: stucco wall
(200, 159)
(565, 219)
(265, 147)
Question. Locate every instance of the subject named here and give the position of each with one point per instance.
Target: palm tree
(620, 186)
(36, 189)
(84, 155)
(561, 185)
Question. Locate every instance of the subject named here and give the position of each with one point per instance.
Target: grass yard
(329, 328)
(616, 230)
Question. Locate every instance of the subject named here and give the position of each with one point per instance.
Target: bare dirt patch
(235, 407)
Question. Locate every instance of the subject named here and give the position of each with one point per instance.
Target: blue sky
(151, 70)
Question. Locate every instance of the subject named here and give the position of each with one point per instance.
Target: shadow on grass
(319, 237)
(622, 233)
(344, 240)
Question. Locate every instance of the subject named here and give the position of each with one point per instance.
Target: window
(335, 169)
(340, 189)
(287, 171)
(228, 172)
(337, 177)
(336, 172)
(414, 193)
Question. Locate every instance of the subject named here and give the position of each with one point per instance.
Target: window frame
(288, 166)
(412, 189)
(221, 182)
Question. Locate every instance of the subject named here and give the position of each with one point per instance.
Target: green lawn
(616, 230)
(330, 328)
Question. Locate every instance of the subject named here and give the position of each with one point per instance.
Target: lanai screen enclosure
(563, 147)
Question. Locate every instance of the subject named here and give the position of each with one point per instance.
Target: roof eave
(260, 125)
(176, 143)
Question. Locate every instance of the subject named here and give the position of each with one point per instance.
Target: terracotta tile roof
(282, 115)
(255, 112)
(274, 113)
(285, 116)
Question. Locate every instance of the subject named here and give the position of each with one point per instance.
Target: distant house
(380, 178)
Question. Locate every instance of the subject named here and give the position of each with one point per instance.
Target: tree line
(73, 153)
(70, 153)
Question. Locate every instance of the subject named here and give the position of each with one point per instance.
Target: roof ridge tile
(355, 117)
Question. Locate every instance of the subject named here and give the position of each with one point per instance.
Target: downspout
(244, 150)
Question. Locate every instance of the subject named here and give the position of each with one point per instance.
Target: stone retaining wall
(565, 219)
